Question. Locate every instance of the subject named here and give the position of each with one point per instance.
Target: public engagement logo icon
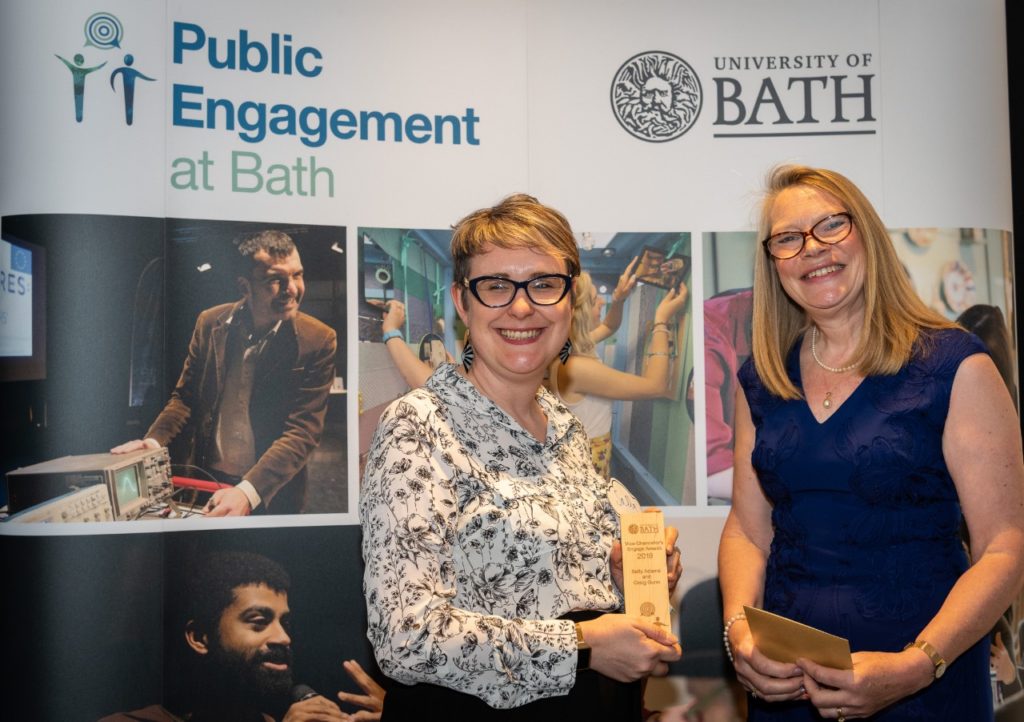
(104, 32)
(656, 96)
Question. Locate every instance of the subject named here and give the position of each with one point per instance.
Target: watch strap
(582, 650)
(933, 654)
(393, 333)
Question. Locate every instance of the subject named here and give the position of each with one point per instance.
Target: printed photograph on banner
(22, 310)
(636, 405)
(256, 320)
(218, 624)
(728, 305)
(193, 368)
(404, 281)
(964, 273)
(100, 322)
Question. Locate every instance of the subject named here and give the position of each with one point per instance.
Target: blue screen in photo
(15, 300)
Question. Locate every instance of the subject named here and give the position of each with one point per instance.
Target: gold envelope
(784, 640)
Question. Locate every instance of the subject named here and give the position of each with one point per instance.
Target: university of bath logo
(656, 96)
(104, 32)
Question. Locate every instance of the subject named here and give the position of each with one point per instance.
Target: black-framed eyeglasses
(498, 291)
(830, 229)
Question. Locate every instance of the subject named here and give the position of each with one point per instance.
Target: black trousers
(594, 697)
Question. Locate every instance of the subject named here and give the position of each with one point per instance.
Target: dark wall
(82, 623)
(94, 264)
(1015, 61)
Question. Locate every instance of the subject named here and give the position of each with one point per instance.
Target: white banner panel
(142, 138)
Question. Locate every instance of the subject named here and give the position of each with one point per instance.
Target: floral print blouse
(476, 538)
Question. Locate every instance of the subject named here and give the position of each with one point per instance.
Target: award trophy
(645, 575)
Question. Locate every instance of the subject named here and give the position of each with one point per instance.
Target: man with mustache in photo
(252, 396)
(236, 661)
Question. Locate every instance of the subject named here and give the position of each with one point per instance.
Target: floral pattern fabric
(866, 519)
(476, 538)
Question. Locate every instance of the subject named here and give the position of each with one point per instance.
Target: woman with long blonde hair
(867, 427)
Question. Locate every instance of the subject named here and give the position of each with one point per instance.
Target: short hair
(582, 317)
(894, 314)
(211, 589)
(518, 221)
(277, 245)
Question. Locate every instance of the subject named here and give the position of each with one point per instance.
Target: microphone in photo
(302, 692)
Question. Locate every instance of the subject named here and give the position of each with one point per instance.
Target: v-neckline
(795, 361)
(837, 407)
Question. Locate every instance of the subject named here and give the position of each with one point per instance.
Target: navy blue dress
(867, 520)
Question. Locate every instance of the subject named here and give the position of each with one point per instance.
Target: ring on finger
(839, 715)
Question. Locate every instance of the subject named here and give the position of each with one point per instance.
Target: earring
(467, 355)
(566, 350)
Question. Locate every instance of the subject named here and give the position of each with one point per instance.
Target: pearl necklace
(827, 401)
(814, 353)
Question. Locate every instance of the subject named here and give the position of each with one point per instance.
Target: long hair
(989, 324)
(582, 317)
(894, 315)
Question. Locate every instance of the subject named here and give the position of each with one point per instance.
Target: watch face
(583, 658)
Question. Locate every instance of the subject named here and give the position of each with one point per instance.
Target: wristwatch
(393, 333)
(933, 655)
(582, 650)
